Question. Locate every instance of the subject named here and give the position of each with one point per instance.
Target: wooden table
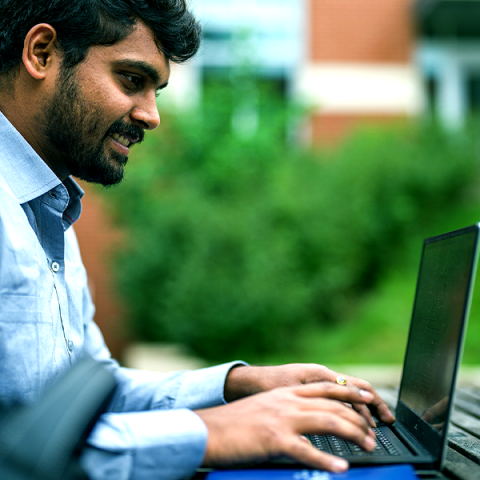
(463, 455)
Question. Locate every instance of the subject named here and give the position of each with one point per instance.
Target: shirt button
(70, 345)
(55, 267)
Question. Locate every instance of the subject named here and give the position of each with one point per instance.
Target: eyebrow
(146, 69)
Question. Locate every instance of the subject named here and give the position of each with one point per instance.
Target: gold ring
(341, 380)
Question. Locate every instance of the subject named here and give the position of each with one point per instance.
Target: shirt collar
(27, 175)
(74, 208)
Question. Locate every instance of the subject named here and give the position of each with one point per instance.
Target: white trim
(353, 88)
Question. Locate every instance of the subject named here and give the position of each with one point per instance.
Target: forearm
(141, 390)
(249, 380)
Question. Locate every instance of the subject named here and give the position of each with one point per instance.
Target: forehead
(139, 46)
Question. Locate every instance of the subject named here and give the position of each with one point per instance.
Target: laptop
(433, 355)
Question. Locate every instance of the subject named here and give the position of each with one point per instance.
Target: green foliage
(241, 244)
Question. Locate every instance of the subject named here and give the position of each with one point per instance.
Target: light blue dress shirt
(46, 324)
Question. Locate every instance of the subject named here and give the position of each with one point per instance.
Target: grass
(377, 330)
(376, 333)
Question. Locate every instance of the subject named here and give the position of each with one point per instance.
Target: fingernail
(366, 394)
(369, 443)
(339, 465)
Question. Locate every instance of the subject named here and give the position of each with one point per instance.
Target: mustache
(129, 130)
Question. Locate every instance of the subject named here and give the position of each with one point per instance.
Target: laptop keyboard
(344, 448)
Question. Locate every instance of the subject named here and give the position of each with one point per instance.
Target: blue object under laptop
(391, 472)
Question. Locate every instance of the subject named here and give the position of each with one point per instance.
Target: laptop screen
(436, 332)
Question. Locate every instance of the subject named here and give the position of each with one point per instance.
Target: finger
(350, 394)
(439, 408)
(428, 416)
(301, 450)
(347, 394)
(332, 391)
(322, 414)
(363, 410)
(378, 404)
(348, 424)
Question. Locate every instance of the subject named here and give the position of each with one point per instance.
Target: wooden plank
(459, 467)
(468, 406)
(473, 391)
(466, 422)
(469, 394)
(464, 443)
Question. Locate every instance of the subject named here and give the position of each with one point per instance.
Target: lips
(121, 139)
(124, 135)
(125, 141)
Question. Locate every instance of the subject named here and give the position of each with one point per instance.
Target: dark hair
(82, 23)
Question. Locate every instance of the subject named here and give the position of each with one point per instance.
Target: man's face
(102, 107)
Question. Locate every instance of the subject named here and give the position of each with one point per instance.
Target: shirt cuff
(165, 445)
(204, 388)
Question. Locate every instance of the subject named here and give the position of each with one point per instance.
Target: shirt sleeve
(167, 441)
(139, 390)
(165, 445)
(150, 430)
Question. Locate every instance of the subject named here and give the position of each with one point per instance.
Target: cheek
(111, 104)
(106, 99)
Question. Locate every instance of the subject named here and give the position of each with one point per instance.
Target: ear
(39, 51)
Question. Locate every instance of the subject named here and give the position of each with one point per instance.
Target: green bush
(240, 243)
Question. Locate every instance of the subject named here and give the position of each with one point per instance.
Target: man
(78, 84)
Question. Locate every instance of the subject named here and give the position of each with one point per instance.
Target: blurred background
(278, 212)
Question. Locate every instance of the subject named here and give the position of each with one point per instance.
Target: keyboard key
(343, 448)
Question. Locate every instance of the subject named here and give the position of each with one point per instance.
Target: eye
(133, 82)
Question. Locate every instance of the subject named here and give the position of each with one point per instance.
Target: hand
(435, 415)
(272, 424)
(247, 380)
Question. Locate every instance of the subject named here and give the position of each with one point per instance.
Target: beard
(73, 129)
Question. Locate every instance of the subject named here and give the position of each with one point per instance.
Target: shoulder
(10, 210)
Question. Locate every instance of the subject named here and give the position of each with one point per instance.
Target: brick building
(359, 66)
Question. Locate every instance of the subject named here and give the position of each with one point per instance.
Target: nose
(145, 113)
